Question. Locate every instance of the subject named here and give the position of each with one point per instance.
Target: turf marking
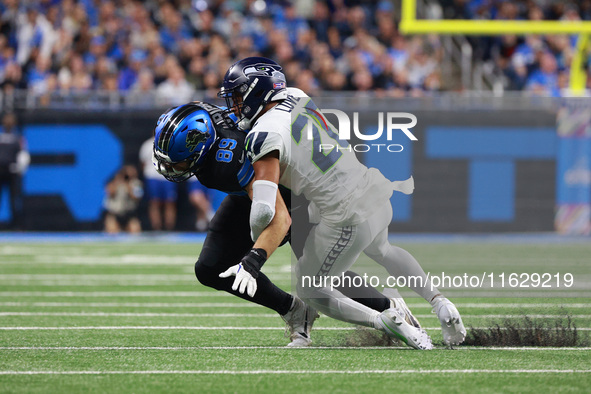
(108, 279)
(132, 314)
(246, 304)
(270, 315)
(34, 328)
(79, 294)
(212, 293)
(466, 348)
(307, 372)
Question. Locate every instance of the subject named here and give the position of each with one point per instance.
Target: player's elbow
(261, 215)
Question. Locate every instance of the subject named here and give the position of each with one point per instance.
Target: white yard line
(131, 314)
(466, 348)
(137, 304)
(54, 328)
(247, 304)
(307, 372)
(78, 294)
(121, 260)
(126, 259)
(109, 279)
(273, 315)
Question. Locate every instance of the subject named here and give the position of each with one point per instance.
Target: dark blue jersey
(226, 167)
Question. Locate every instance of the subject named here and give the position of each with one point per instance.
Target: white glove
(244, 280)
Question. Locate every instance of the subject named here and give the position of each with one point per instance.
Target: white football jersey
(343, 190)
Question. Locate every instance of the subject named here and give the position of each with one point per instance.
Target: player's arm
(270, 214)
(269, 218)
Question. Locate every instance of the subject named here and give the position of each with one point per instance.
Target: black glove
(253, 261)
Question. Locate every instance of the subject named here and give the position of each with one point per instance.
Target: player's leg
(328, 253)
(200, 201)
(228, 240)
(170, 215)
(152, 189)
(301, 227)
(363, 294)
(400, 263)
(154, 214)
(111, 224)
(134, 226)
(169, 198)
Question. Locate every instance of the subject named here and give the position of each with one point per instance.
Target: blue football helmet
(182, 137)
(249, 85)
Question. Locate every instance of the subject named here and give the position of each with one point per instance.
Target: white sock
(337, 306)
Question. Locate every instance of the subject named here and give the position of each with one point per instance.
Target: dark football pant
(228, 240)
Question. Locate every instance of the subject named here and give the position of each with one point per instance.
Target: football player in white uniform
(350, 201)
(199, 139)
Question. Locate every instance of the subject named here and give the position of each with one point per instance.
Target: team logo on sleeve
(195, 137)
(254, 143)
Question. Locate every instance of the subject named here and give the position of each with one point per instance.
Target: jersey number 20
(324, 161)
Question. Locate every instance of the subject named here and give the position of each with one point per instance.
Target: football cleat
(452, 328)
(393, 322)
(299, 320)
(299, 340)
(396, 301)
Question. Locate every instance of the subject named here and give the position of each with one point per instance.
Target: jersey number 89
(225, 153)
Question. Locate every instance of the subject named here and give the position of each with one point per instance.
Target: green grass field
(130, 317)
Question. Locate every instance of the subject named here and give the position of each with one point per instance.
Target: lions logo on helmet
(182, 137)
(194, 138)
(249, 85)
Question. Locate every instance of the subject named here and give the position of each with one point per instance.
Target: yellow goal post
(409, 24)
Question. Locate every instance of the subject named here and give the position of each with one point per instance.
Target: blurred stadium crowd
(537, 63)
(167, 50)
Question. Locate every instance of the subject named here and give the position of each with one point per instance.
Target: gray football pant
(329, 251)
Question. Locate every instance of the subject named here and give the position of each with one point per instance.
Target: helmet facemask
(174, 171)
(235, 103)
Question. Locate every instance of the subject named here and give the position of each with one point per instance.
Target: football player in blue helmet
(249, 85)
(201, 139)
(182, 137)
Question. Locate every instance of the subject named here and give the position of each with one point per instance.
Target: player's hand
(247, 271)
(243, 281)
